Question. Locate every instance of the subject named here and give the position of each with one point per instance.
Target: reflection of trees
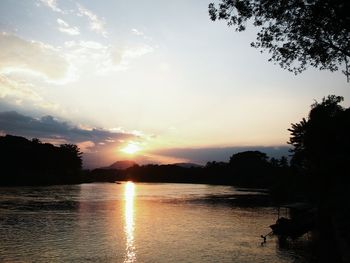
(34, 162)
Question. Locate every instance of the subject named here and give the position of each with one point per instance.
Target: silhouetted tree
(296, 33)
(283, 162)
(31, 162)
(321, 154)
(274, 162)
(319, 136)
(321, 144)
(247, 158)
(36, 140)
(71, 157)
(251, 168)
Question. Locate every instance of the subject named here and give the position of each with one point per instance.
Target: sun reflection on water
(129, 193)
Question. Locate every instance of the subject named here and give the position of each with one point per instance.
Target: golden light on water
(129, 193)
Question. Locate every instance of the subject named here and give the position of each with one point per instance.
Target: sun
(131, 148)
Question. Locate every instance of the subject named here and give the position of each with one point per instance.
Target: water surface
(134, 223)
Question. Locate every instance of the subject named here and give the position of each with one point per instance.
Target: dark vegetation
(321, 160)
(246, 169)
(297, 33)
(31, 162)
(25, 162)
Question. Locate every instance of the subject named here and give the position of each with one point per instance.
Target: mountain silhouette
(122, 165)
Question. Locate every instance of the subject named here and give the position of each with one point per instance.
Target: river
(134, 222)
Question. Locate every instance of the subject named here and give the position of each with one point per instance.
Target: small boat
(299, 219)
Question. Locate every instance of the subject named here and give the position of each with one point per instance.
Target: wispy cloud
(31, 57)
(96, 24)
(25, 65)
(141, 34)
(64, 27)
(137, 32)
(23, 93)
(96, 57)
(52, 4)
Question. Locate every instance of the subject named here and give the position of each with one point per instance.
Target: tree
(321, 142)
(297, 33)
(71, 157)
(283, 162)
(251, 168)
(31, 162)
(249, 159)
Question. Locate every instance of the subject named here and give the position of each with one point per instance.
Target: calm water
(133, 223)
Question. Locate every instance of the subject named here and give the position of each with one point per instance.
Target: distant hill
(121, 165)
(187, 165)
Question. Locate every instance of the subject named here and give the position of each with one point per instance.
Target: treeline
(321, 150)
(31, 162)
(318, 170)
(246, 169)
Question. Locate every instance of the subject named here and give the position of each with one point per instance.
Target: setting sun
(131, 148)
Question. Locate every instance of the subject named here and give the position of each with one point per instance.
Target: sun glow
(131, 148)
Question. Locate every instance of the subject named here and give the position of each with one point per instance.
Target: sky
(154, 81)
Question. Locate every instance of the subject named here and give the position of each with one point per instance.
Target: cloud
(21, 92)
(52, 4)
(64, 27)
(100, 146)
(14, 89)
(137, 32)
(48, 127)
(30, 57)
(96, 24)
(59, 65)
(87, 146)
(137, 51)
(91, 56)
(28, 66)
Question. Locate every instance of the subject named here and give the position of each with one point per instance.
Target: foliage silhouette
(321, 145)
(25, 162)
(296, 33)
(246, 169)
(321, 157)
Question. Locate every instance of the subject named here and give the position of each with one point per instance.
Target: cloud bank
(96, 143)
(12, 122)
(36, 57)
